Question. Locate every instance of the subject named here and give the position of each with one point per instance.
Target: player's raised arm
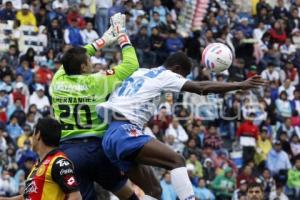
(130, 62)
(205, 87)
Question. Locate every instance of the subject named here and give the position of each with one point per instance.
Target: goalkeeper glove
(119, 29)
(107, 39)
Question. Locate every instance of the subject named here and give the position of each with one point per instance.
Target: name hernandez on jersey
(74, 98)
(138, 97)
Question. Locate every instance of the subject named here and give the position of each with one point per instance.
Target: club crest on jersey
(41, 170)
(110, 72)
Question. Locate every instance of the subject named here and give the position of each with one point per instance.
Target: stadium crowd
(228, 141)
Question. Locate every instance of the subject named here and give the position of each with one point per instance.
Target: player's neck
(44, 150)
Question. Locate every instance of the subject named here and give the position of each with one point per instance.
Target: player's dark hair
(73, 59)
(180, 60)
(254, 185)
(50, 130)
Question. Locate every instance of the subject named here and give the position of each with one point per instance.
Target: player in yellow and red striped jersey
(52, 177)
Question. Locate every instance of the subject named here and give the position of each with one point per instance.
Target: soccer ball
(217, 57)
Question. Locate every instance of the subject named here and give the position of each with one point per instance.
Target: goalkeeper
(75, 92)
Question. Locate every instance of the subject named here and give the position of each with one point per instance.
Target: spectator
(19, 94)
(157, 46)
(30, 120)
(55, 35)
(287, 50)
(191, 148)
(277, 33)
(212, 138)
(26, 17)
(295, 145)
(268, 182)
(13, 129)
(25, 71)
(17, 4)
(6, 184)
(141, 41)
(245, 27)
(237, 71)
(101, 18)
(270, 73)
(286, 147)
(223, 185)
(57, 13)
(29, 56)
(72, 34)
(286, 127)
(263, 147)
(89, 34)
(278, 159)
(241, 191)
(208, 170)
(291, 73)
(137, 11)
(156, 22)
(61, 4)
(168, 190)
(293, 22)
(193, 159)
(283, 106)
(280, 12)
(5, 69)
(248, 134)
(26, 136)
(39, 98)
(278, 194)
(7, 12)
(246, 175)
(263, 4)
(178, 132)
(99, 58)
(161, 10)
(259, 32)
(173, 43)
(3, 143)
(288, 88)
(202, 192)
(12, 56)
(74, 15)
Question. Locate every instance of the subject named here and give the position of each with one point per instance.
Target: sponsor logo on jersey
(31, 188)
(70, 180)
(63, 163)
(41, 170)
(66, 171)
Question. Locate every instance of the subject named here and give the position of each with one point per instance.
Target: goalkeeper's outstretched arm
(130, 62)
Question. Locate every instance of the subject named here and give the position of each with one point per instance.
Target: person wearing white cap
(25, 16)
(38, 98)
(63, 4)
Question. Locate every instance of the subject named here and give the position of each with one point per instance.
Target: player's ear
(83, 68)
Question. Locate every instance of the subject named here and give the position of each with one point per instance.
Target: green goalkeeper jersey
(74, 98)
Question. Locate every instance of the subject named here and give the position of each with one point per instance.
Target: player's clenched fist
(119, 28)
